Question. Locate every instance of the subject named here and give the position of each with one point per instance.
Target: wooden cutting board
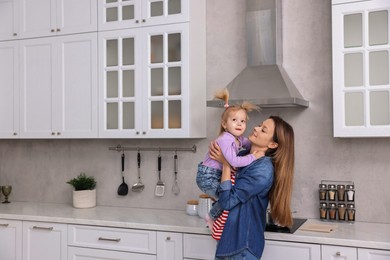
(326, 228)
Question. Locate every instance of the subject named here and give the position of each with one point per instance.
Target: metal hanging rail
(120, 148)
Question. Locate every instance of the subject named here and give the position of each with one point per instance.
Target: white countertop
(358, 234)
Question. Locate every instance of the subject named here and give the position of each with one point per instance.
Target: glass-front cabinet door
(121, 14)
(361, 100)
(143, 80)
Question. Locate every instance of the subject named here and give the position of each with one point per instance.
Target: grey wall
(38, 169)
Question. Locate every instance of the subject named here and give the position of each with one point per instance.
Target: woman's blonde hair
(223, 94)
(283, 159)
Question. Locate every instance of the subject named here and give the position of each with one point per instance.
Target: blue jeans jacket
(247, 203)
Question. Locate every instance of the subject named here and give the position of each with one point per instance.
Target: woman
(268, 179)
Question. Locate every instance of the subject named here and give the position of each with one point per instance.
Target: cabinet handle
(15, 34)
(110, 239)
(15, 133)
(137, 133)
(168, 238)
(43, 228)
(58, 30)
(58, 133)
(143, 20)
(52, 30)
(4, 225)
(136, 21)
(53, 133)
(338, 254)
(144, 133)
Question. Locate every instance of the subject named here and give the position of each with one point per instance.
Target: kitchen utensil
(138, 186)
(175, 187)
(123, 189)
(160, 187)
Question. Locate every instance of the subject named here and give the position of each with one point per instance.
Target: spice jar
(192, 207)
(204, 206)
(341, 211)
(340, 192)
(323, 210)
(351, 212)
(332, 192)
(332, 211)
(350, 191)
(322, 191)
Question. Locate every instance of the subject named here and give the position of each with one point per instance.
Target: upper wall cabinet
(29, 19)
(361, 88)
(120, 14)
(152, 79)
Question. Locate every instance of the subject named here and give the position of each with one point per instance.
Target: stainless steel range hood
(264, 81)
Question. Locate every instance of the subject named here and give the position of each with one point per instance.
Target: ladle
(175, 187)
(123, 189)
(138, 186)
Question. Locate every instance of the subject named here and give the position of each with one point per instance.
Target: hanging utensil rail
(120, 148)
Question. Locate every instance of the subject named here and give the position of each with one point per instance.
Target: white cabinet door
(169, 246)
(9, 89)
(199, 247)
(79, 253)
(138, 13)
(288, 250)
(52, 17)
(361, 84)
(44, 241)
(59, 87)
(373, 254)
(338, 253)
(9, 24)
(10, 239)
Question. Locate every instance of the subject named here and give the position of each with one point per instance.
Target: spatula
(160, 187)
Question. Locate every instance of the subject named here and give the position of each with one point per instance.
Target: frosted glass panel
(157, 115)
(156, 9)
(174, 47)
(379, 108)
(128, 51)
(353, 30)
(112, 52)
(128, 83)
(156, 51)
(128, 12)
(379, 68)
(128, 115)
(157, 82)
(174, 81)
(112, 14)
(174, 111)
(378, 27)
(353, 69)
(174, 7)
(354, 109)
(112, 84)
(111, 1)
(112, 115)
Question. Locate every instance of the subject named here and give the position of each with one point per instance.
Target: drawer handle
(4, 225)
(43, 228)
(338, 254)
(110, 239)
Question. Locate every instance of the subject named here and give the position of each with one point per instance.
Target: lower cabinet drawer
(199, 247)
(76, 253)
(119, 239)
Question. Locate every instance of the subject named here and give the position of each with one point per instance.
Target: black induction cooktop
(297, 222)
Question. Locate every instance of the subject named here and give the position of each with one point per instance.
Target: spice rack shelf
(337, 201)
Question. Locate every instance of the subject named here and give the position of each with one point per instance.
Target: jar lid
(350, 187)
(192, 202)
(323, 204)
(340, 186)
(322, 186)
(341, 205)
(351, 206)
(332, 205)
(331, 186)
(204, 196)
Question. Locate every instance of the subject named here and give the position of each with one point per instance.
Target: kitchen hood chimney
(264, 81)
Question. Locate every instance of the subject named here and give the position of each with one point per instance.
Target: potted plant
(84, 193)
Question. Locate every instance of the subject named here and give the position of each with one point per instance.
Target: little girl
(231, 142)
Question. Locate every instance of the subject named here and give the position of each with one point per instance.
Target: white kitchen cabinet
(10, 239)
(152, 81)
(338, 253)
(361, 87)
(373, 254)
(289, 250)
(56, 17)
(9, 19)
(199, 247)
(169, 246)
(79, 253)
(44, 241)
(9, 90)
(58, 87)
(123, 14)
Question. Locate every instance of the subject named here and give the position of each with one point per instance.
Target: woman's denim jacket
(247, 203)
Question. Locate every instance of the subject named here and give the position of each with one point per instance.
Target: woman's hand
(215, 153)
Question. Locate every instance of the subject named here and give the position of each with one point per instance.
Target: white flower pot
(84, 199)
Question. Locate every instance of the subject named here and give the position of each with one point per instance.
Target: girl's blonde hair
(283, 159)
(223, 94)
